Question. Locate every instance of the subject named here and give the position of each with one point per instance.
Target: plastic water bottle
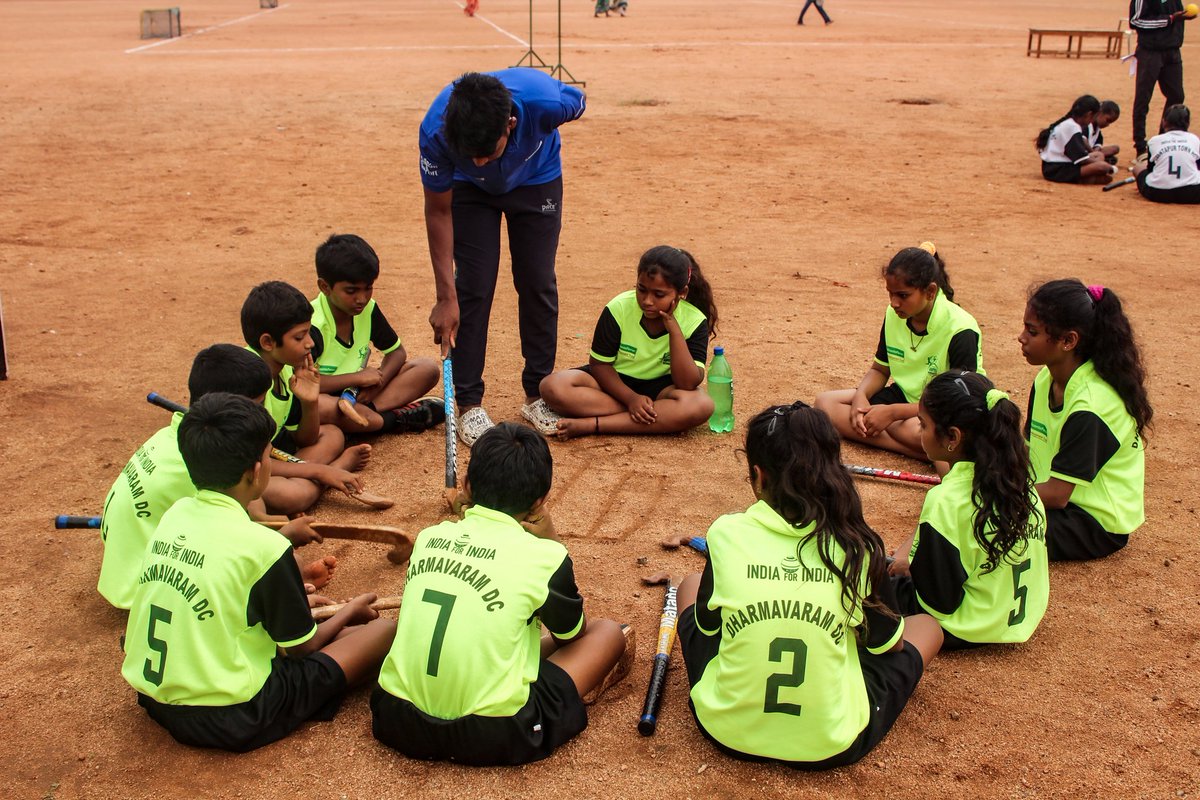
(720, 389)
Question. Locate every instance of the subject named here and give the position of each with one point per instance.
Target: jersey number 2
(156, 644)
(1017, 615)
(780, 680)
(445, 604)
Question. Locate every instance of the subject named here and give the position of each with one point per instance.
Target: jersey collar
(763, 514)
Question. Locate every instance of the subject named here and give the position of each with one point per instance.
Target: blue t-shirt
(532, 154)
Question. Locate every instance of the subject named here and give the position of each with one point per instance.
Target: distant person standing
(820, 4)
(1159, 24)
(490, 149)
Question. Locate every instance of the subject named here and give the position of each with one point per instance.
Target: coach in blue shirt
(490, 147)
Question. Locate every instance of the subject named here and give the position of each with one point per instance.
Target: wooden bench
(1114, 42)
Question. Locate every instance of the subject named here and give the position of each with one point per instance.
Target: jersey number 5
(1017, 615)
(149, 672)
(445, 604)
(780, 680)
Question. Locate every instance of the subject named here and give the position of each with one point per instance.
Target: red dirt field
(146, 190)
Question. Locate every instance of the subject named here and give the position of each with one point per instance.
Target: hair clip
(963, 385)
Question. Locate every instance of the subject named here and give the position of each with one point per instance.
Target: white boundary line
(487, 21)
(206, 30)
(587, 46)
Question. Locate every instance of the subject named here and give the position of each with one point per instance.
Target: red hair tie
(1096, 292)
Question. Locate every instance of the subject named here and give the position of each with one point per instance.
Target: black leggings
(534, 215)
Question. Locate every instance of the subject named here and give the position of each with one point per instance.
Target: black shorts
(1073, 534)
(890, 680)
(907, 604)
(1189, 195)
(889, 395)
(651, 388)
(1061, 172)
(553, 715)
(285, 441)
(297, 690)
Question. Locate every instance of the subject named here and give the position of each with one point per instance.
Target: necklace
(914, 343)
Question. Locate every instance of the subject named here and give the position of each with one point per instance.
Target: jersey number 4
(1174, 170)
(781, 680)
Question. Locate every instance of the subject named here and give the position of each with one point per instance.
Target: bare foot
(319, 572)
(353, 458)
(570, 428)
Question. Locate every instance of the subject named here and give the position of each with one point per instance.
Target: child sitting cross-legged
(218, 596)
(476, 681)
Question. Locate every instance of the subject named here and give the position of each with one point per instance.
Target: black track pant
(534, 215)
(819, 8)
(1162, 67)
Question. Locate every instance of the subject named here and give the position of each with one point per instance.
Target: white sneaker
(472, 424)
(543, 418)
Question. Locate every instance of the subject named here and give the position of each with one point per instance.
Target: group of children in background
(1072, 150)
(798, 607)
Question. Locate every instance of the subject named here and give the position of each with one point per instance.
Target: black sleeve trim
(707, 619)
(563, 608)
(881, 623)
(1084, 447)
(881, 349)
(1029, 415)
(1077, 148)
(937, 571)
(698, 343)
(382, 334)
(606, 340)
(318, 342)
(278, 601)
(963, 352)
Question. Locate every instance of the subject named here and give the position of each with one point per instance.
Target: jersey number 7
(445, 604)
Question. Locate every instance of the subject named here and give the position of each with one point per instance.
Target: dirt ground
(146, 190)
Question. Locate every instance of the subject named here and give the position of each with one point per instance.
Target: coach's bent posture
(490, 147)
(1159, 24)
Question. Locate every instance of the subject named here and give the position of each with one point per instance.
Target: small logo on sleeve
(428, 167)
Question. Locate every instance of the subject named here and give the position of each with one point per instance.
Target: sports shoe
(543, 418)
(619, 670)
(420, 415)
(472, 424)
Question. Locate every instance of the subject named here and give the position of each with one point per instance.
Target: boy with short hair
(1108, 114)
(218, 594)
(345, 323)
(476, 682)
(276, 322)
(155, 476)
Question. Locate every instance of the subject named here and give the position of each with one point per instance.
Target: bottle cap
(718, 350)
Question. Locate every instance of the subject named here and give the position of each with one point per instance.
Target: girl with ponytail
(924, 333)
(646, 370)
(1066, 155)
(977, 561)
(792, 649)
(1088, 416)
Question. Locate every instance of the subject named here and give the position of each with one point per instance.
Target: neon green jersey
(1004, 605)
(475, 597)
(914, 360)
(1092, 442)
(338, 357)
(216, 594)
(786, 682)
(279, 401)
(152, 480)
(621, 340)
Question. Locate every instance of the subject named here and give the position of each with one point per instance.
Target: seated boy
(218, 594)
(156, 477)
(346, 322)
(1108, 114)
(476, 682)
(276, 319)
